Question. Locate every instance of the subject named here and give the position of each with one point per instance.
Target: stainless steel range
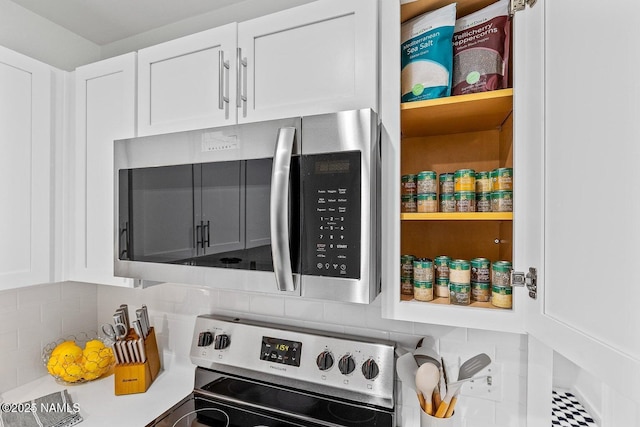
(257, 374)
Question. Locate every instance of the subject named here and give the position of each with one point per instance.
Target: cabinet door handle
(241, 85)
(205, 232)
(223, 90)
(279, 209)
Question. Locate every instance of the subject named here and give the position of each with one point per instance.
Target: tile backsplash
(34, 316)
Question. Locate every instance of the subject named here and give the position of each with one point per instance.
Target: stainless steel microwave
(289, 206)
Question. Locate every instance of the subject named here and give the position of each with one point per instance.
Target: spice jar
(427, 203)
(426, 182)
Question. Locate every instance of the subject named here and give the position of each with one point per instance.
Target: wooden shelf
(418, 7)
(456, 114)
(458, 216)
(445, 301)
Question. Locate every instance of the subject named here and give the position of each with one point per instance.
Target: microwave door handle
(278, 209)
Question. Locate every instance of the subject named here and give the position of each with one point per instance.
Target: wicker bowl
(76, 359)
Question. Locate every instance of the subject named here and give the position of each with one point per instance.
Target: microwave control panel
(332, 214)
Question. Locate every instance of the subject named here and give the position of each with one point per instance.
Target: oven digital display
(281, 351)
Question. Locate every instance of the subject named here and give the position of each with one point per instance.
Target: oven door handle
(279, 209)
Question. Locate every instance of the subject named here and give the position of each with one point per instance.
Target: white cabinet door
(316, 58)
(577, 128)
(25, 171)
(188, 83)
(105, 111)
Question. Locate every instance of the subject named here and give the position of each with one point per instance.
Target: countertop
(98, 404)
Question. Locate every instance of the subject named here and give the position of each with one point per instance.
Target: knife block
(130, 378)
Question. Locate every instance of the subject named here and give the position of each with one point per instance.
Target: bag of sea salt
(427, 55)
(481, 50)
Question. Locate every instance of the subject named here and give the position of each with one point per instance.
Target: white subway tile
(476, 411)
(267, 305)
(367, 333)
(79, 290)
(345, 314)
(8, 375)
(511, 414)
(9, 341)
(233, 301)
(298, 308)
(450, 333)
(8, 300)
(499, 339)
(40, 294)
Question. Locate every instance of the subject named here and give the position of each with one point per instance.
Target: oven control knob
(205, 339)
(346, 364)
(222, 342)
(324, 360)
(370, 369)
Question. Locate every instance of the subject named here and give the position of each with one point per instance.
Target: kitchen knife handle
(223, 95)
(279, 209)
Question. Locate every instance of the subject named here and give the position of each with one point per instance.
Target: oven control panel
(351, 364)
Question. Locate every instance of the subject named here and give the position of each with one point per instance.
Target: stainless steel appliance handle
(279, 209)
(223, 95)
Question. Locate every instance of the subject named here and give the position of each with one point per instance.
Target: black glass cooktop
(294, 406)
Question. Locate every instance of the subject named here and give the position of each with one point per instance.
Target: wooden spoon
(427, 378)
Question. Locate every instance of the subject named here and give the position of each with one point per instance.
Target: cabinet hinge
(530, 279)
(517, 5)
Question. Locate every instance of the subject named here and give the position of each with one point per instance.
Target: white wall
(30, 34)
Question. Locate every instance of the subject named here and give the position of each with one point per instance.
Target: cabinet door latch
(518, 5)
(530, 279)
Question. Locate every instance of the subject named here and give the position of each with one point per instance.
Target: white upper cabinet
(26, 131)
(105, 111)
(188, 83)
(580, 137)
(315, 58)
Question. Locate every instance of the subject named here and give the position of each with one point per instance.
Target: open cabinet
(570, 135)
(444, 135)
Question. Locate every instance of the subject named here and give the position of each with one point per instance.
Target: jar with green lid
(465, 201)
(480, 270)
(409, 203)
(464, 180)
(483, 182)
(423, 291)
(406, 265)
(408, 183)
(502, 201)
(501, 273)
(442, 287)
(441, 266)
(483, 202)
(459, 293)
(447, 203)
(427, 182)
(446, 183)
(459, 271)
(423, 270)
(427, 203)
(406, 286)
(480, 292)
(501, 296)
(502, 179)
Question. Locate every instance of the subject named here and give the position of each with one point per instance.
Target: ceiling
(105, 21)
